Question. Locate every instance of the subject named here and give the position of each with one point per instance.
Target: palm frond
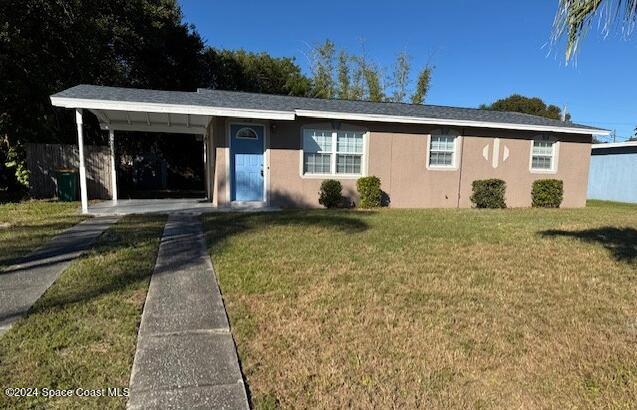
(574, 17)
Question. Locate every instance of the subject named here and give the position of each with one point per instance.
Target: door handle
(262, 172)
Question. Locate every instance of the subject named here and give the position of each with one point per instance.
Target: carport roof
(252, 105)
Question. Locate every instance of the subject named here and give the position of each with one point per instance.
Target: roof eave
(95, 104)
(615, 145)
(92, 104)
(446, 122)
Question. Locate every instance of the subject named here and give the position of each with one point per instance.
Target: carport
(120, 115)
(156, 111)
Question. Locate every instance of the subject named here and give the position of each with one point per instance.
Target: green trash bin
(67, 180)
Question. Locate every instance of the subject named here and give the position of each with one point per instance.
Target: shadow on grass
(621, 242)
(219, 227)
(23, 239)
(133, 234)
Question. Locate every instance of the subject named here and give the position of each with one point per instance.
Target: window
(247, 133)
(317, 151)
(542, 155)
(332, 152)
(349, 152)
(442, 149)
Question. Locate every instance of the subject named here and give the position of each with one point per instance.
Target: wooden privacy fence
(44, 159)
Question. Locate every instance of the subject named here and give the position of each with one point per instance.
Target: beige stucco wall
(287, 187)
(398, 155)
(573, 157)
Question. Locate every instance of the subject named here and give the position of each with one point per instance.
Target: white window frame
(454, 156)
(334, 153)
(554, 155)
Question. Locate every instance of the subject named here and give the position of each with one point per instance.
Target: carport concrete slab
(167, 206)
(22, 284)
(186, 357)
(149, 206)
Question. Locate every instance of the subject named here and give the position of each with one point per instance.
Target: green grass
(515, 308)
(27, 225)
(82, 333)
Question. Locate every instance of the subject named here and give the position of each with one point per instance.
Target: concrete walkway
(21, 285)
(185, 355)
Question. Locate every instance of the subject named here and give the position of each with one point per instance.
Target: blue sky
(482, 51)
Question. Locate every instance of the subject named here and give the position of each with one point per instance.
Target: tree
(323, 70)
(240, 70)
(343, 76)
(422, 87)
(372, 77)
(400, 79)
(49, 45)
(367, 76)
(574, 17)
(355, 77)
(520, 103)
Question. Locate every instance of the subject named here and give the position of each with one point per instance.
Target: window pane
(350, 142)
(542, 156)
(316, 163)
(542, 147)
(441, 150)
(440, 158)
(541, 162)
(317, 140)
(247, 133)
(348, 164)
(435, 143)
(442, 143)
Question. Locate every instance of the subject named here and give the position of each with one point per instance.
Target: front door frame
(266, 162)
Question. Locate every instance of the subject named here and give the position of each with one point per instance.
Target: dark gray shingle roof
(243, 100)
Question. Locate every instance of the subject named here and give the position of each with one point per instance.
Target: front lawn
(27, 225)
(82, 332)
(517, 308)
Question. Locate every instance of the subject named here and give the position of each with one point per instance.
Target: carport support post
(206, 165)
(111, 143)
(80, 145)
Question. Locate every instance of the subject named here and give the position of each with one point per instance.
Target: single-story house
(276, 150)
(613, 172)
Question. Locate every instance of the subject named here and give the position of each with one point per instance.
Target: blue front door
(246, 162)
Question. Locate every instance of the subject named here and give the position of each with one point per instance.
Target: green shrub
(369, 192)
(547, 193)
(488, 193)
(330, 195)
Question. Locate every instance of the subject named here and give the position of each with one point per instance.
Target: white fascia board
(615, 145)
(288, 115)
(439, 121)
(91, 104)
